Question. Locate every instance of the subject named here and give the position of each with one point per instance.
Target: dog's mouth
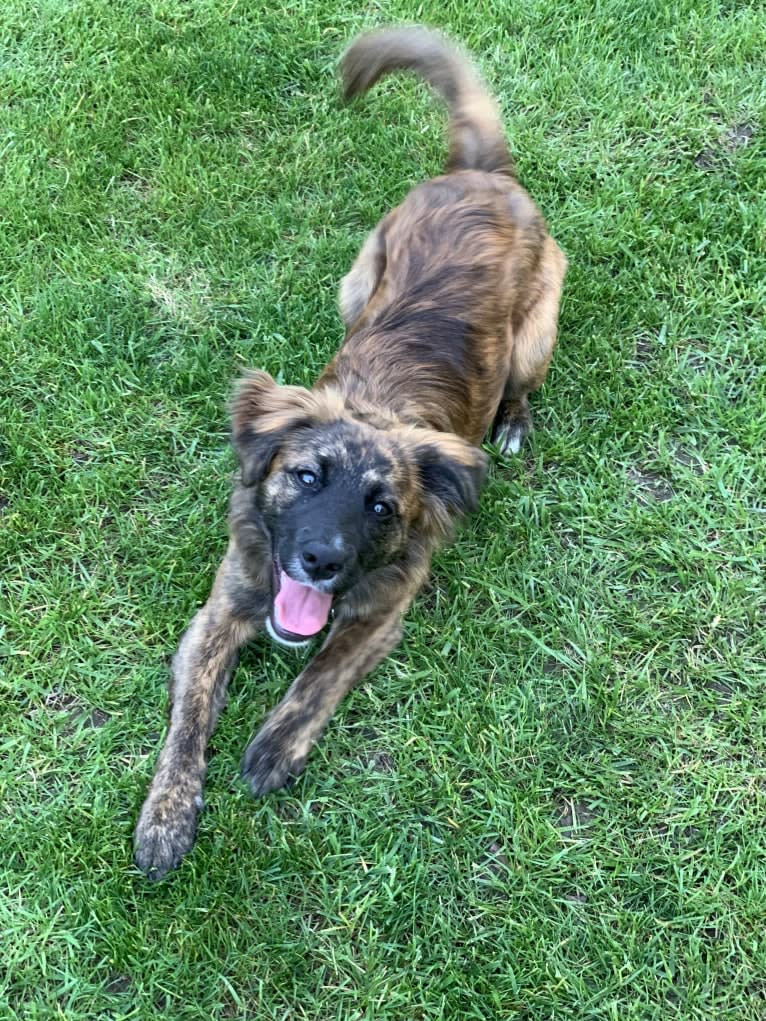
(298, 611)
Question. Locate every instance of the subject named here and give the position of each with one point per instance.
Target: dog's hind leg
(533, 343)
(202, 668)
(361, 281)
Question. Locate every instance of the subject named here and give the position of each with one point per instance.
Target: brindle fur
(450, 311)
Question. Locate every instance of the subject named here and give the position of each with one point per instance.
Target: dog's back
(432, 297)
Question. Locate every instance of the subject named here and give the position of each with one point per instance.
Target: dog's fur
(346, 490)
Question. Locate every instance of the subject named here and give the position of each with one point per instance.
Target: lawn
(549, 802)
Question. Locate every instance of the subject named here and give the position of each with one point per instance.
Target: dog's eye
(382, 510)
(307, 478)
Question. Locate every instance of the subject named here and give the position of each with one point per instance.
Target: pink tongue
(300, 610)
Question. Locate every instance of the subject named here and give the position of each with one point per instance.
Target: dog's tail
(477, 140)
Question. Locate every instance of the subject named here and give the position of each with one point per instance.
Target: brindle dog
(346, 490)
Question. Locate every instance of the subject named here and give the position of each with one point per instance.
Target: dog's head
(338, 496)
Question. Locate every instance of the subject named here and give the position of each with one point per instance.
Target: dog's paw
(272, 761)
(508, 438)
(512, 425)
(165, 831)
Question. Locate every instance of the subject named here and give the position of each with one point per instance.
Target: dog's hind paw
(512, 425)
(508, 440)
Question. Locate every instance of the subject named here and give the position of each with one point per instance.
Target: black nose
(322, 561)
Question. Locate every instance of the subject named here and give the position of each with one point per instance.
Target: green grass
(548, 803)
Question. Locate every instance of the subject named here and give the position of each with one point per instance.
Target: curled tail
(477, 140)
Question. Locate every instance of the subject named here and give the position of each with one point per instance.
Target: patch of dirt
(650, 486)
(496, 861)
(576, 897)
(677, 836)
(705, 159)
(285, 809)
(643, 351)
(135, 185)
(428, 597)
(691, 460)
(61, 702)
(368, 733)
(553, 667)
(732, 138)
(724, 692)
(118, 984)
(181, 298)
(574, 815)
(81, 452)
(737, 136)
(568, 538)
(696, 360)
(80, 717)
(382, 762)
(98, 718)
(77, 714)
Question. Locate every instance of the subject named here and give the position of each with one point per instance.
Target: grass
(549, 802)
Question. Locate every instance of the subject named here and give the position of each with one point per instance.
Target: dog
(345, 491)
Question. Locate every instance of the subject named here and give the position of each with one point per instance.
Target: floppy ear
(262, 413)
(452, 473)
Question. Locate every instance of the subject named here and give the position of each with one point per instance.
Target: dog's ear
(451, 473)
(262, 413)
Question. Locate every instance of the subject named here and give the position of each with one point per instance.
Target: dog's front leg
(279, 750)
(202, 668)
